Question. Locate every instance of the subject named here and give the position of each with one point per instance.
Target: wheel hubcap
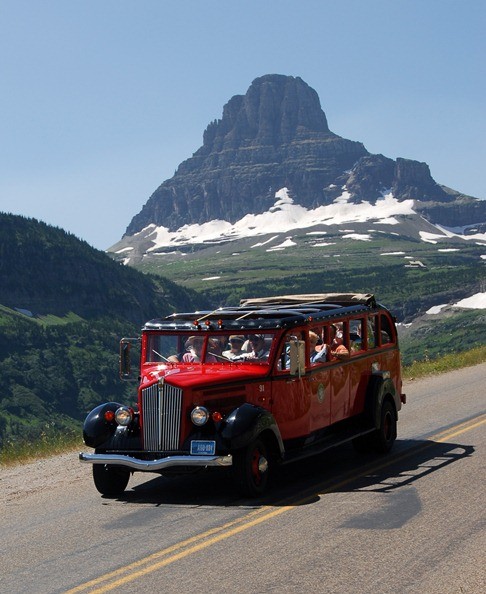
(259, 466)
(262, 464)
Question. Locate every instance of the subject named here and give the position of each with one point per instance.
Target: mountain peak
(276, 136)
(276, 109)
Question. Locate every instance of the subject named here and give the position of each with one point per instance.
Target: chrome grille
(161, 409)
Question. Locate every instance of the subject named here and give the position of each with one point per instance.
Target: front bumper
(155, 465)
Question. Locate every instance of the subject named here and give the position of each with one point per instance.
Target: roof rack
(268, 312)
(341, 299)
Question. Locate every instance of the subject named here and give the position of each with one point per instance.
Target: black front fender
(246, 423)
(96, 429)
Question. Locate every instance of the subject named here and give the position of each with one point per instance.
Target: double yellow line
(147, 565)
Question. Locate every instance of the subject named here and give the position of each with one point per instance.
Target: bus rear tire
(381, 440)
(387, 433)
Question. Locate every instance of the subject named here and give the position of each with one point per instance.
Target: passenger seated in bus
(316, 354)
(215, 347)
(371, 333)
(355, 340)
(259, 350)
(194, 345)
(284, 357)
(356, 335)
(337, 347)
(385, 337)
(355, 343)
(236, 342)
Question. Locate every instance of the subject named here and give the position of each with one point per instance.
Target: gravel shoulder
(47, 474)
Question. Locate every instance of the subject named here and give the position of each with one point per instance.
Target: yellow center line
(460, 428)
(151, 563)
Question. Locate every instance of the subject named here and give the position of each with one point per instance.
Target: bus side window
(317, 346)
(371, 326)
(283, 361)
(386, 333)
(340, 345)
(356, 335)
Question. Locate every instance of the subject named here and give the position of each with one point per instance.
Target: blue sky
(102, 99)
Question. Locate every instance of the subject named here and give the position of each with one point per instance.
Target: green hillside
(450, 332)
(407, 275)
(45, 270)
(64, 307)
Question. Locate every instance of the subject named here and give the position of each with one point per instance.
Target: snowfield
(477, 301)
(285, 216)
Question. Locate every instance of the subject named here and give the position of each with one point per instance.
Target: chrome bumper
(154, 465)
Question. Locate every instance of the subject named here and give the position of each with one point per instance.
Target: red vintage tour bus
(268, 382)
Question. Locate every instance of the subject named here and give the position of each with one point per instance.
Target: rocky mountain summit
(276, 136)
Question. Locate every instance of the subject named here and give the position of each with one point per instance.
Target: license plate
(203, 447)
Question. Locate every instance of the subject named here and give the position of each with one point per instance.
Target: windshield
(208, 347)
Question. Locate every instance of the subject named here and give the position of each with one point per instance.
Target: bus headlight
(124, 416)
(199, 415)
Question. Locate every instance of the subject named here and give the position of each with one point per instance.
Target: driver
(259, 350)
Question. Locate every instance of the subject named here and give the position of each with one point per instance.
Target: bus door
(361, 345)
(340, 370)
(291, 399)
(319, 381)
(389, 359)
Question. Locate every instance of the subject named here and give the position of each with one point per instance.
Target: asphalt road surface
(409, 522)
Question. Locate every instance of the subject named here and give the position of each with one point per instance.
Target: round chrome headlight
(124, 416)
(199, 415)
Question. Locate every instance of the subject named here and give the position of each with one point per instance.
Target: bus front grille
(161, 417)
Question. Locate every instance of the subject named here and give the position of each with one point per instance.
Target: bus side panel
(291, 404)
(360, 374)
(390, 361)
(320, 388)
(340, 381)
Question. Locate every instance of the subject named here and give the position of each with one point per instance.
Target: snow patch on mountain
(477, 301)
(284, 216)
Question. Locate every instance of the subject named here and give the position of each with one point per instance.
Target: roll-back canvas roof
(338, 298)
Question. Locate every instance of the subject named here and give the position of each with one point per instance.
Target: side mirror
(297, 357)
(125, 357)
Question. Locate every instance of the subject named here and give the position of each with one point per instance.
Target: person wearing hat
(236, 342)
(193, 347)
(259, 350)
(334, 350)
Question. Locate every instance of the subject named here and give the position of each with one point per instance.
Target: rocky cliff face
(276, 136)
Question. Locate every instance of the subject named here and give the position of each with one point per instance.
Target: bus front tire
(251, 469)
(110, 481)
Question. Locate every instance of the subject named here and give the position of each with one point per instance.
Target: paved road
(412, 522)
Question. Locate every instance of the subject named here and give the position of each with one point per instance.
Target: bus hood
(191, 376)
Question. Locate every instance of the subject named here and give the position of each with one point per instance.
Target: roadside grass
(49, 444)
(445, 363)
